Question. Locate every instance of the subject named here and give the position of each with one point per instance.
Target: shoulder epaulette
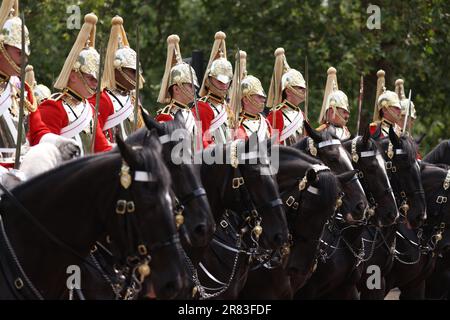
(165, 110)
(56, 96)
(322, 127)
(279, 106)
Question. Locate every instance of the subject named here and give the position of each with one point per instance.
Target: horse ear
(311, 175)
(151, 123)
(366, 136)
(315, 135)
(155, 142)
(394, 138)
(346, 176)
(126, 151)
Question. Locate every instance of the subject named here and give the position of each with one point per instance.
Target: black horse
(440, 154)
(244, 198)
(368, 160)
(418, 253)
(190, 196)
(309, 191)
(404, 174)
(330, 151)
(336, 275)
(118, 196)
(400, 154)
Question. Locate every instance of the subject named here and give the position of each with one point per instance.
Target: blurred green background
(413, 43)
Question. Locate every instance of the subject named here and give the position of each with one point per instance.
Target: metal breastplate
(288, 116)
(84, 138)
(340, 133)
(9, 122)
(221, 134)
(189, 123)
(125, 128)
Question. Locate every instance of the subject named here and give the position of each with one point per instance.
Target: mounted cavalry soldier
(177, 88)
(117, 100)
(335, 109)
(287, 91)
(212, 107)
(404, 103)
(69, 113)
(250, 97)
(10, 89)
(387, 111)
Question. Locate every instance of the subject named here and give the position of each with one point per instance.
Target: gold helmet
(333, 97)
(11, 31)
(250, 86)
(384, 98)
(388, 99)
(283, 77)
(404, 101)
(177, 72)
(119, 55)
(218, 66)
(83, 57)
(41, 93)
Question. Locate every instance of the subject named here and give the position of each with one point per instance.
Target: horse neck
(214, 177)
(75, 211)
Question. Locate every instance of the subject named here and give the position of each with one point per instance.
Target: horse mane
(437, 155)
(292, 152)
(327, 184)
(62, 172)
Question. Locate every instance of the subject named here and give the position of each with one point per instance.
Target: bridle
(441, 201)
(138, 259)
(371, 194)
(183, 201)
(397, 181)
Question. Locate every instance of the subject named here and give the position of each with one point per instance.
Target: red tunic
(242, 131)
(162, 117)
(206, 117)
(105, 109)
(55, 117)
(279, 120)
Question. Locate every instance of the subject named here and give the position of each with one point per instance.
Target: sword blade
(360, 100)
(407, 112)
(22, 96)
(197, 120)
(138, 78)
(307, 87)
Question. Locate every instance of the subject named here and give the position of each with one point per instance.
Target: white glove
(69, 148)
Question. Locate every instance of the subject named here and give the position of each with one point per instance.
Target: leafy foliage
(413, 43)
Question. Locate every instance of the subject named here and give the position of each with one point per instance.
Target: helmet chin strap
(127, 78)
(393, 115)
(9, 59)
(255, 105)
(186, 93)
(90, 91)
(215, 90)
(337, 113)
(297, 93)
